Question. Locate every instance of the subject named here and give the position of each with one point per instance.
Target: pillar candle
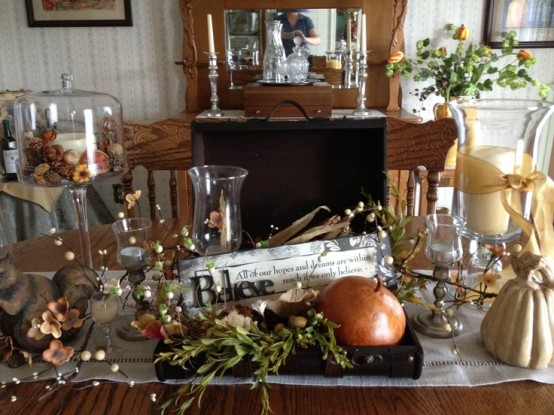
(484, 213)
(211, 47)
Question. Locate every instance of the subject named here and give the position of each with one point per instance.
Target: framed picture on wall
(60, 13)
(533, 20)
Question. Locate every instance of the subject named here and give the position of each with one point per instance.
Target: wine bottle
(9, 152)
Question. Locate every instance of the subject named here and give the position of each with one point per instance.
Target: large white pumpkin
(519, 327)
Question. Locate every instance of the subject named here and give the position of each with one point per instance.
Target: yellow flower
(524, 55)
(82, 174)
(57, 354)
(461, 33)
(396, 57)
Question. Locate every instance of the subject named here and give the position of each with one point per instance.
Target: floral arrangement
(52, 162)
(216, 338)
(467, 70)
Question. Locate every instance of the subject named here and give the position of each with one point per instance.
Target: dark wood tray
(404, 360)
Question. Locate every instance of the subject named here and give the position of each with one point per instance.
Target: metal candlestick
(348, 69)
(435, 323)
(443, 248)
(361, 110)
(213, 75)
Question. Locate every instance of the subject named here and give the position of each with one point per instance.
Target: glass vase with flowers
(466, 72)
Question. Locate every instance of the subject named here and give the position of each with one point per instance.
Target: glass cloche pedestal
(71, 138)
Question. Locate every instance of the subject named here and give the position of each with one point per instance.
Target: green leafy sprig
(469, 69)
(226, 346)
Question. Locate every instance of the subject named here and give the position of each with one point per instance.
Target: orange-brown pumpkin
(368, 313)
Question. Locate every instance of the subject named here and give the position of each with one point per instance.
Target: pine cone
(196, 328)
(65, 170)
(52, 177)
(34, 150)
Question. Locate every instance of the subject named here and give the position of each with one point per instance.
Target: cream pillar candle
(75, 141)
(363, 34)
(484, 213)
(211, 47)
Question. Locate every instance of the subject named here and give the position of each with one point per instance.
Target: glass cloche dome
(68, 137)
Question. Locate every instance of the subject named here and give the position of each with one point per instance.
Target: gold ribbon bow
(521, 184)
(477, 176)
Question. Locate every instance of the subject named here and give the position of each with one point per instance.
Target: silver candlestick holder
(348, 69)
(213, 75)
(361, 110)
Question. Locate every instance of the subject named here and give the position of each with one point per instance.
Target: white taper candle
(211, 47)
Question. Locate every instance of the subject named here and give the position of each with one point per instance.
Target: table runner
(45, 197)
(472, 366)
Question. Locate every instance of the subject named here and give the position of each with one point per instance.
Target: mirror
(384, 33)
(245, 37)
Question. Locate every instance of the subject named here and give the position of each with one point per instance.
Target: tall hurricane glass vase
(217, 227)
(497, 142)
(68, 137)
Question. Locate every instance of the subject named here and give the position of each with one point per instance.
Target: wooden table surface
(119, 398)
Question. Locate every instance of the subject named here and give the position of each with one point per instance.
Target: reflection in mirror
(245, 31)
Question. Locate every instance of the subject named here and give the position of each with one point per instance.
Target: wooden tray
(405, 360)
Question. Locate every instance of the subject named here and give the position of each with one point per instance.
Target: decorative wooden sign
(247, 275)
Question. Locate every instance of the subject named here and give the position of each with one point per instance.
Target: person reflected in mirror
(298, 24)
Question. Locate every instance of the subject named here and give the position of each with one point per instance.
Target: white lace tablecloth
(472, 366)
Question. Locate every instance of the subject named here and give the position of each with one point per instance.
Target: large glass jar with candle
(69, 137)
(497, 141)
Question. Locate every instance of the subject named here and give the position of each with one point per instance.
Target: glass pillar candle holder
(217, 227)
(497, 141)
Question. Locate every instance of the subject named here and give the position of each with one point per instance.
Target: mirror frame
(385, 21)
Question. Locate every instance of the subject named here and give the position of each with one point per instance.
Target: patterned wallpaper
(134, 64)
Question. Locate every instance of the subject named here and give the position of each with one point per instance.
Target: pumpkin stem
(379, 283)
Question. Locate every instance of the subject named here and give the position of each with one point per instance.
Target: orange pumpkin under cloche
(368, 313)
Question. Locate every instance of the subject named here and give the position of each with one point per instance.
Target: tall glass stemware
(104, 310)
(443, 248)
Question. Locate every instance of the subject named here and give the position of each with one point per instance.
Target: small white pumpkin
(519, 327)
